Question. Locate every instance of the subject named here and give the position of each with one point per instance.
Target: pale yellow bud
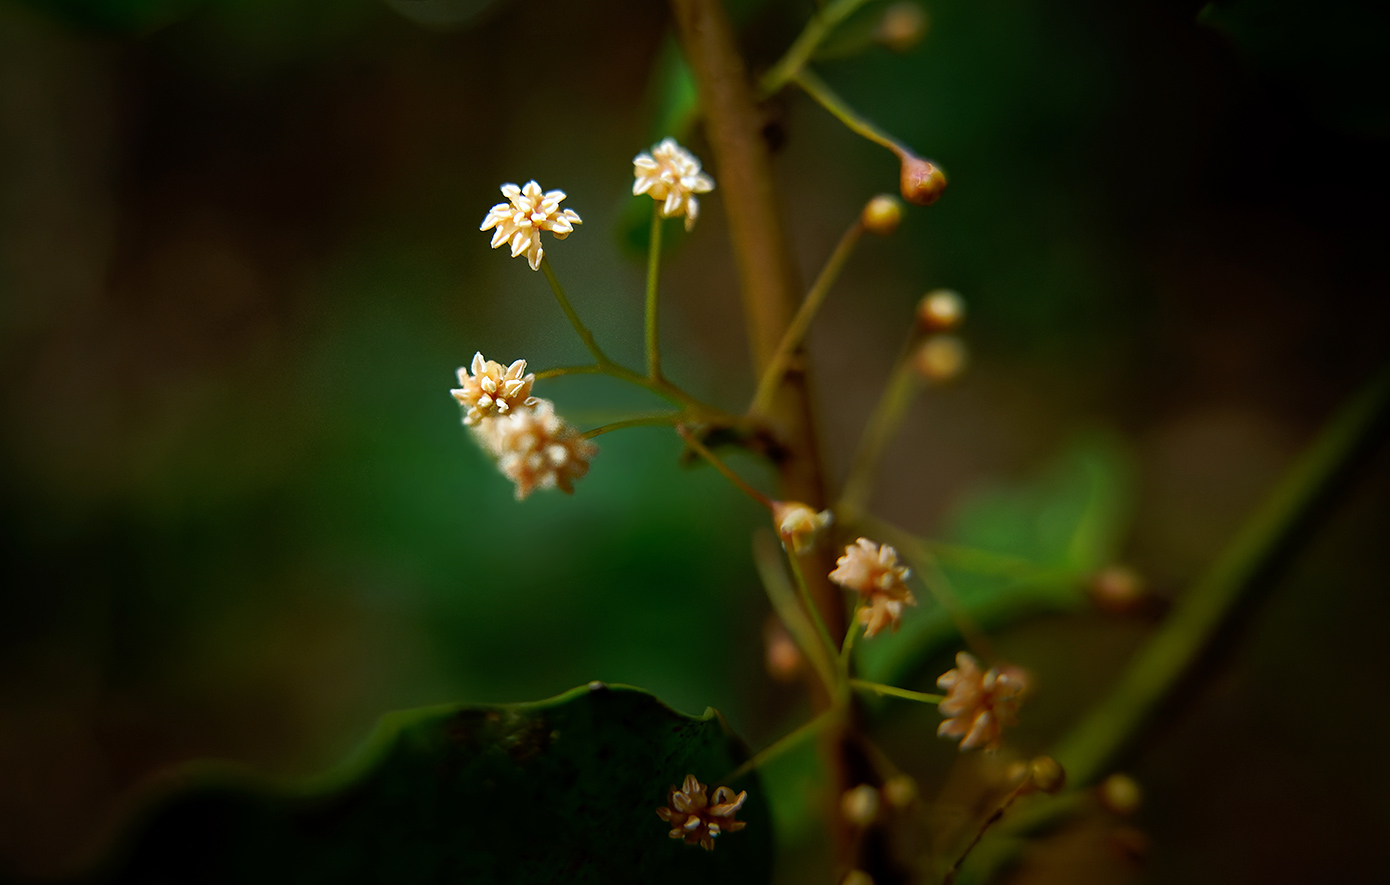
(783, 658)
(902, 27)
(858, 877)
(940, 358)
(882, 215)
(1047, 774)
(860, 805)
(1117, 589)
(1121, 794)
(900, 791)
(940, 310)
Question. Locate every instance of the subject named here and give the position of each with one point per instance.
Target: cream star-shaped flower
(978, 705)
(492, 390)
(699, 818)
(520, 221)
(671, 175)
(872, 570)
(537, 449)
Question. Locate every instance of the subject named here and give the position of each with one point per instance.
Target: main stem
(770, 290)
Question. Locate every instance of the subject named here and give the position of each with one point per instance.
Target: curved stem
(796, 331)
(767, 557)
(815, 87)
(817, 29)
(739, 482)
(569, 370)
(895, 692)
(883, 423)
(666, 419)
(653, 268)
(784, 743)
(810, 603)
(584, 334)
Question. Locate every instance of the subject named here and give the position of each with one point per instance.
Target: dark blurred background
(239, 263)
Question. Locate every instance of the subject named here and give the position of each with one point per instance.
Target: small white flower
(799, 524)
(493, 390)
(537, 449)
(672, 176)
(519, 222)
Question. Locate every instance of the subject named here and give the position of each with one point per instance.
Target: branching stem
(815, 87)
(664, 418)
(894, 692)
(825, 21)
(739, 482)
(785, 743)
(883, 423)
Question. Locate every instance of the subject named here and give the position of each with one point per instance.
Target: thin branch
(796, 331)
(888, 414)
(739, 482)
(820, 26)
(767, 556)
(810, 603)
(583, 331)
(653, 268)
(569, 370)
(892, 691)
(783, 744)
(664, 418)
(815, 87)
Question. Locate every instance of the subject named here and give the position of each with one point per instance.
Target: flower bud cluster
(979, 704)
(873, 571)
(534, 447)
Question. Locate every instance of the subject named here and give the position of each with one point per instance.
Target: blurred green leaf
(560, 790)
(1018, 550)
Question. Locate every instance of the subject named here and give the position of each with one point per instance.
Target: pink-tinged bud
(922, 181)
(783, 659)
(902, 27)
(900, 791)
(860, 805)
(941, 358)
(882, 215)
(1118, 590)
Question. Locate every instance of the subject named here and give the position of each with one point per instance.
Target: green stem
(817, 29)
(666, 419)
(850, 633)
(569, 370)
(783, 744)
(739, 482)
(810, 604)
(796, 331)
(653, 268)
(815, 87)
(584, 334)
(894, 692)
(767, 556)
(1245, 570)
(883, 423)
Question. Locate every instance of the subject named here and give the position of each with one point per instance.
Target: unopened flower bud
(1117, 589)
(922, 182)
(858, 877)
(860, 805)
(1121, 794)
(1047, 774)
(940, 358)
(798, 524)
(902, 27)
(783, 658)
(900, 791)
(882, 215)
(940, 310)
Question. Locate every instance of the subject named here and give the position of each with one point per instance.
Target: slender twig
(767, 557)
(815, 87)
(990, 821)
(810, 604)
(783, 744)
(739, 482)
(817, 29)
(665, 418)
(892, 691)
(883, 423)
(850, 633)
(569, 370)
(796, 331)
(583, 331)
(1247, 568)
(653, 268)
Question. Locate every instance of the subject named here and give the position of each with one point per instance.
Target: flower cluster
(534, 447)
(980, 704)
(671, 175)
(519, 221)
(873, 571)
(697, 818)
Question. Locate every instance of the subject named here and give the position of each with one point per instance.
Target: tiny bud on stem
(922, 181)
(940, 310)
(882, 215)
(940, 358)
